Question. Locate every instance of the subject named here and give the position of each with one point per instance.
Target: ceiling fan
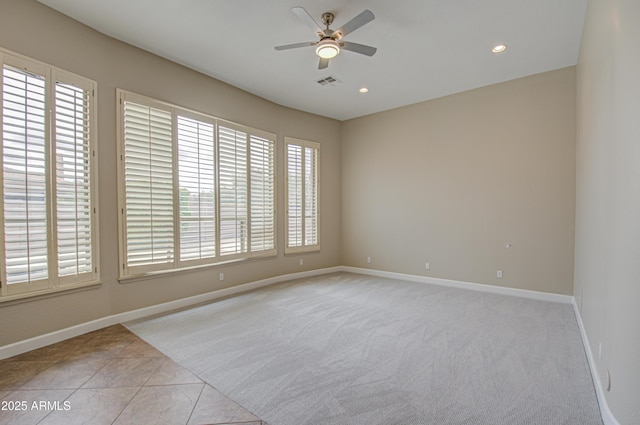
(331, 41)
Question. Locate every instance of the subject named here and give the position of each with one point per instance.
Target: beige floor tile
(139, 349)
(215, 408)
(50, 352)
(14, 374)
(93, 406)
(37, 404)
(112, 332)
(124, 373)
(101, 343)
(105, 342)
(171, 373)
(123, 379)
(76, 349)
(170, 405)
(70, 374)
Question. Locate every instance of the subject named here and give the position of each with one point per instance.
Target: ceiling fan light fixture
(327, 49)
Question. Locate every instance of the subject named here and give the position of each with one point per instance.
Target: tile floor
(109, 376)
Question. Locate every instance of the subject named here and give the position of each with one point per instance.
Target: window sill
(163, 273)
(46, 293)
(302, 250)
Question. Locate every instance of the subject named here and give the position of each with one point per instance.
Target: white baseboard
(73, 331)
(605, 412)
(522, 293)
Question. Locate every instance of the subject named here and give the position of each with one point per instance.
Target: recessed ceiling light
(363, 90)
(499, 48)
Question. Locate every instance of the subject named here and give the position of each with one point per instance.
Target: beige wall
(449, 181)
(607, 264)
(34, 30)
(453, 180)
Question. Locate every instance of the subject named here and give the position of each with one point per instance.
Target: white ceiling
(426, 48)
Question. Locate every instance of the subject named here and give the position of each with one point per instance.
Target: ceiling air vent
(329, 81)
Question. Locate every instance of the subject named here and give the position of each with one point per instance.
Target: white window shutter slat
(302, 195)
(148, 169)
(263, 219)
(232, 154)
(24, 176)
(311, 196)
(73, 181)
(196, 164)
(294, 180)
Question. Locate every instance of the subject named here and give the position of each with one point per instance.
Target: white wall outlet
(368, 259)
(221, 276)
(302, 261)
(499, 273)
(426, 266)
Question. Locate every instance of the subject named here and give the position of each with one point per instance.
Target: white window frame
(127, 271)
(54, 282)
(303, 245)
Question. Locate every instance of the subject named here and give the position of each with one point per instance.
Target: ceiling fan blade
(323, 63)
(302, 13)
(363, 18)
(296, 45)
(358, 48)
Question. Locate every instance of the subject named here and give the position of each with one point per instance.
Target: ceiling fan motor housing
(327, 18)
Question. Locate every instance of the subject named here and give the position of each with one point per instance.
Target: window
(194, 190)
(196, 184)
(48, 191)
(302, 195)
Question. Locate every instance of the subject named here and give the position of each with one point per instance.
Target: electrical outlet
(499, 274)
(368, 259)
(221, 276)
(302, 261)
(426, 266)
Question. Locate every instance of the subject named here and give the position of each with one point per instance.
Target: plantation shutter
(310, 196)
(148, 175)
(48, 214)
(196, 170)
(294, 195)
(73, 183)
(24, 181)
(194, 190)
(262, 194)
(302, 195)
(232, 154)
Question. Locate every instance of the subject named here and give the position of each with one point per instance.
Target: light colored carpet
(347, 349)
